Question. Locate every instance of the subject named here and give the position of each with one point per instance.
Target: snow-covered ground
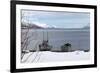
(48, 56)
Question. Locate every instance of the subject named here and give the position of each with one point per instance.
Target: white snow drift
(47, 56)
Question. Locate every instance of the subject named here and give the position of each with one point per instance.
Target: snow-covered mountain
(42, 25)
(36, 25)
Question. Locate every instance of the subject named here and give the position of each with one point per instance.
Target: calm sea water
(79, 38)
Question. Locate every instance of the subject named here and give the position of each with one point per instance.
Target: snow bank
(47, 56)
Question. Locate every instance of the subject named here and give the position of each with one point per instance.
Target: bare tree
(25, 35)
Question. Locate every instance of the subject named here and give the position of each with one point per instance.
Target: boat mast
(47, 35)
(43, 35)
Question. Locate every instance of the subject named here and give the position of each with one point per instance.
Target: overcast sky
(57, 19)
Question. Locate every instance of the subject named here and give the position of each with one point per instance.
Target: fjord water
(78, 38)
